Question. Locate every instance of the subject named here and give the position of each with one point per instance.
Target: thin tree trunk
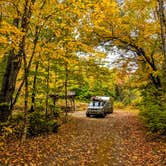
(0, 15)
(47, 86)
(25, 100)
(34, 89)
(74, 105)
(66, 84)
(27, 16)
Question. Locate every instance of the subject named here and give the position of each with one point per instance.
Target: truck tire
(87, 115)
(103, 115)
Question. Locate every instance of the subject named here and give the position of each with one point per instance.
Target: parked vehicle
(100, 105)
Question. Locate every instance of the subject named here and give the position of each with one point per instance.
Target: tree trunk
(66, 83)
(0, 15)
(34, 89)
(25, 99)
(162, 17)
(8, 85)
(47, 85)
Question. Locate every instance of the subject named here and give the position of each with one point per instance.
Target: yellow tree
(21, 25)
(132, 26)
(16, 19)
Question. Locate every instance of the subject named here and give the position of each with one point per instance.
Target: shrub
(39, 124)
(119, 105)
(153, 111)
(154, 118)
(12, 128)
(52, 125)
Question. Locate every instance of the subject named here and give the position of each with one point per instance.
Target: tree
(23, 29)
(14, 58)
(132, 26)
(162, 17)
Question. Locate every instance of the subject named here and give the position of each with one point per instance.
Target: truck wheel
(87, 115)
(103, 115)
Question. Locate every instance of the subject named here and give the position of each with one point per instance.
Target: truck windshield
(96, 104)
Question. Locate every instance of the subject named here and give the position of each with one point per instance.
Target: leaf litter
(120, 139)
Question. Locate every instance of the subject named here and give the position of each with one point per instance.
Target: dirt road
(123, 140)
(119, 139)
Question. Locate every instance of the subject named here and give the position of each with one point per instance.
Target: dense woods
(51, 47)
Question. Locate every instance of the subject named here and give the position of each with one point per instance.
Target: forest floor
(119, 139)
